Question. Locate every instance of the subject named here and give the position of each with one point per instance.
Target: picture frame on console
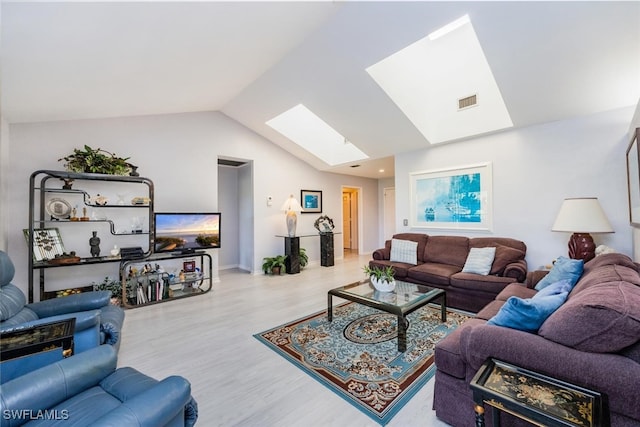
(633, 178)
(311, 201)
(457, 198)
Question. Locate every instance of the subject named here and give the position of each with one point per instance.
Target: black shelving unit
(44, 183)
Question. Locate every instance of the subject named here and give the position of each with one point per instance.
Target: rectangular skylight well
(310, 132)
(426, 78)
(449, 27)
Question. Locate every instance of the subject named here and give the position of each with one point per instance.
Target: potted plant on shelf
(115, 286)
(89, 160)
(274, 265)
(381, 277)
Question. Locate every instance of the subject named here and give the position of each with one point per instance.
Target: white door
(389, 212)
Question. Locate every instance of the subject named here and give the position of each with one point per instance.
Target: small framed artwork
(189, 266)
(311, 201)
(47, 243)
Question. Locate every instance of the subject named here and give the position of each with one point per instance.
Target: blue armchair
(87, 390)
(97, 321)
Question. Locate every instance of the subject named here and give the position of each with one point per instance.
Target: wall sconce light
(582, 216)
(291, 206)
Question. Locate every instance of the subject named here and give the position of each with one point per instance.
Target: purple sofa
(440, 260)
(592, 340)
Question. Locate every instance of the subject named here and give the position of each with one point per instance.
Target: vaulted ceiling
(254, 60)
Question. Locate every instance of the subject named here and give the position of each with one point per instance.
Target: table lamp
(582, 216)
(291, 206)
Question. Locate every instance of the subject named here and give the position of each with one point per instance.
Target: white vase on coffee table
(383, 286)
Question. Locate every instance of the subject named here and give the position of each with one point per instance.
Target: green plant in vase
(274, 265)
(382, 278)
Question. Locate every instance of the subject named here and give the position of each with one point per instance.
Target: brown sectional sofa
(592, 340)
(440, 260)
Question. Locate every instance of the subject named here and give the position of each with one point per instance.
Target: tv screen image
(187, 232)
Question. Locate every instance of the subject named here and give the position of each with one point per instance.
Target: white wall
(534, 169)
(4, 167)
(635, 123)
(179, 153)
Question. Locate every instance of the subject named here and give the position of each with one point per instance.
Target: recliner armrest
(72, 303)
(48, 386)
(111, 320)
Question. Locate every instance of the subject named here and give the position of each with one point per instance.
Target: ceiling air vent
(469, 101)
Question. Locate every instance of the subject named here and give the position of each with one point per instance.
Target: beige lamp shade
(582, 216)
(291, 204)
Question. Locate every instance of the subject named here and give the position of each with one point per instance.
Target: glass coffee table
(405, 299)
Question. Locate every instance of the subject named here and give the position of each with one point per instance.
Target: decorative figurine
(94, 242)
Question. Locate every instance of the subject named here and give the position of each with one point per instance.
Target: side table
(534, 397)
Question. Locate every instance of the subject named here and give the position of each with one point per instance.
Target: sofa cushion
(611, 259)
(528, 314)
(563, 268)
(479, 260)
(507, 251)
(476, 282)
(405, 251)
(451, 250)
(433, 273)
(605, 274)
(604, 318)
(505, 256)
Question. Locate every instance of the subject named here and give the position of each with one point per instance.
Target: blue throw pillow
(528, 314)
(555, 288)
(563, 268)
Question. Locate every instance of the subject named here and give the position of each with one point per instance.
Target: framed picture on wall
(456, 198)
(311, 201)
(633, 179)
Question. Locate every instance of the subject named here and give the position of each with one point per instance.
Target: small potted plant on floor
(381, 277)
(304, 258)
(274, 265)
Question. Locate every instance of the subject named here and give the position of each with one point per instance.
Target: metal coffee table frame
(405, 302)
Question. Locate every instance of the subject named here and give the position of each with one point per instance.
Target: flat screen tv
(186, 231)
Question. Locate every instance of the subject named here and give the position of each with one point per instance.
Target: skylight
(313, 134)
(427, 79)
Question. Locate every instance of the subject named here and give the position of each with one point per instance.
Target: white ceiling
(254, 60)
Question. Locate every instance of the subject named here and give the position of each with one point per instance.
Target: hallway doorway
(350, 219)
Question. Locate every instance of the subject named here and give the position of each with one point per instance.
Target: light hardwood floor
(237, 380)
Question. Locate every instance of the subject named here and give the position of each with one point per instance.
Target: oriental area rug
(356, 355)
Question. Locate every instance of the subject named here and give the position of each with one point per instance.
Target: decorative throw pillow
(563, 268)
(529, 314)
(404, 251)
(479, 261)
(505, 255)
